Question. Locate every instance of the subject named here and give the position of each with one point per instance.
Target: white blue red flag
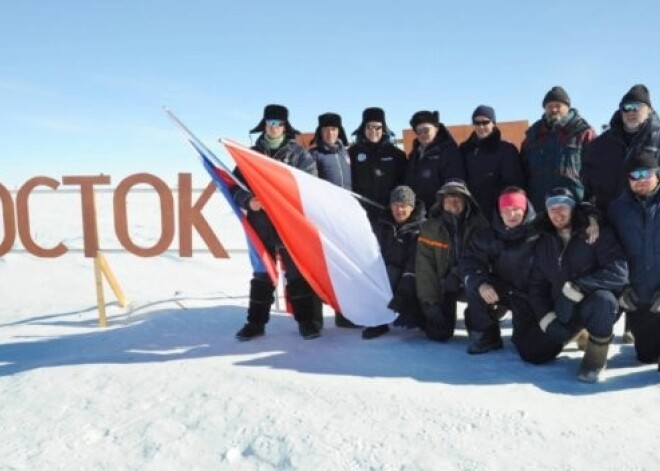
(226, 182)
(327, 234)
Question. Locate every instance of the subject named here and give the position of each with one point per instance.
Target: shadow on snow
(186, 334)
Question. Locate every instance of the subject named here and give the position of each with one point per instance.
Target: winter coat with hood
(427, 170)
(441, 243)
(333, 163)
(503, 254)
(637, 222)
(289, 153)
(398, 244)
(552, 156)
(491, 165)
(603, 166)
(376, 168)
(598, 266)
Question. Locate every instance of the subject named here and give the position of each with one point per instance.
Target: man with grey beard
(554, 147)
(634, 129)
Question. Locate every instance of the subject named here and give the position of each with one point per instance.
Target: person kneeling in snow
(453, 220)
(397, 233)
(575, 285)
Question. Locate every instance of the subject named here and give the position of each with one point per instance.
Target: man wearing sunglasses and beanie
(635, 215)
(277, 141)
(634, 128)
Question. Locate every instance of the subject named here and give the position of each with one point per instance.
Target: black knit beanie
(556, 93)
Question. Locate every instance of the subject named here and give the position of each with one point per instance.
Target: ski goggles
(641, 173)
(628, 107)
(274, 123)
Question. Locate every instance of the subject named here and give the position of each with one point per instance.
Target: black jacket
(491, 165)
(376, 169)
(290, 153)
(333, 163)
(440, 162)
(601, 265)
(502, 254)
(603, 165)
(398, 245)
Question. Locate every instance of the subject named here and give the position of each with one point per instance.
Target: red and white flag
(327, 233)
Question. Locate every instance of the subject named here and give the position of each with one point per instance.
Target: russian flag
(327, 233)
(226, 182)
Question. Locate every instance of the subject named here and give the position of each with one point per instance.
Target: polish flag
(327, 233)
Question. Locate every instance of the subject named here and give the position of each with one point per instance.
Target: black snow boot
(307, 308)
(342, 321)
(484, 342)
(250, 331)
(373, 332)
(261, 298)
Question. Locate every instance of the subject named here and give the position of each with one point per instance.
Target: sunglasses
(628, 107)
(374, 127)
(641, 174)
(423, 131)
(275, 123)
(485, 122)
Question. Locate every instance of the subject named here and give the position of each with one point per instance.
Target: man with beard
(574, 285)
(634, 128)
(554, 147)
(636, 218)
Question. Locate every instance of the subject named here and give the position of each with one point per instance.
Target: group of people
(564, 234)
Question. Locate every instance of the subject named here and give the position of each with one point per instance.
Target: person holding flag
(277, 141)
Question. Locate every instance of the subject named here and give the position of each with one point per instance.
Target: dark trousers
(533, 345)
(305, 303)
(645, 327)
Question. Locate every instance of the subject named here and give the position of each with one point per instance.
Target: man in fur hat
(377, 164)
(277, 141)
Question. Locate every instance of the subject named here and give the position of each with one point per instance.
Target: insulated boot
(342, 321)
(250, 331)
(261, 298)
(373, 332)
(306, 307)
(309, 330)
(484, 342)
(594, 359)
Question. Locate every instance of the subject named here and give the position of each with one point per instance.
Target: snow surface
(166, 386)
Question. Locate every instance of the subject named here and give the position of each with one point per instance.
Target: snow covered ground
(166, 386)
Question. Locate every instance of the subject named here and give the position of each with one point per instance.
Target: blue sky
(82, 83)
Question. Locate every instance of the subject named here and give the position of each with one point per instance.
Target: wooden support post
(100, 298)
(112, 281)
